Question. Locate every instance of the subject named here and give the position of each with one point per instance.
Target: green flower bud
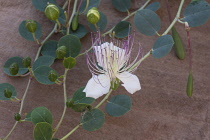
(31, 26)
(14, 68)
(93, 15)
(75, 22)
(53, 76)
(115, 84)
(52, 12)
(26, 62)
(61, 52)
(17, 116)
(7, 93)
(70, 103)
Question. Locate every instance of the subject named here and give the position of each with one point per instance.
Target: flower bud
(26, 62)
(31, 26)
(7, 93)
(69, 102)
(17, 116)
(52, 12)
(61, 52)
(14, 68)
(93, 15)
(53, 76)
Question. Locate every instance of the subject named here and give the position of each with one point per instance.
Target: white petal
(131, 82)
(97, 86)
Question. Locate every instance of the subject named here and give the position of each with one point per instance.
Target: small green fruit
(17, 117)
(61, 52)
(14, 68)
(93, 15)
(69, 62)
(190, 85)
(53, 76)
(7, 93)
(178, 45)
(26, 62)
(75, 22)
(31, 26)
(52, 12)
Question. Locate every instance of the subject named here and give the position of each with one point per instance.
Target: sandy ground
(161, 110)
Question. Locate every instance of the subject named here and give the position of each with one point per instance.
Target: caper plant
(108, 58)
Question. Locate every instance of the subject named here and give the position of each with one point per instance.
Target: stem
(65, 100)
(104, 99)
(72, 131)
(36, 40)
(189, 46)
(59, 25)
(142, 59)
(176, 18)
(72, 15)
(131, 14)
(21, 108)
(87, 4)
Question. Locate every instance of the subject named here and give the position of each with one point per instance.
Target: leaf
(92, 3)
(101, 23)
(121, 5)
(162, 46)
(43, 61)
(153, 6)
(41, 114)
(122, 29)
(43, 131)
(118, 105)
(147, 22)
(49, 48)
(28, 116)
(80, 32)
(93, 120)
(41, 75)
(72, 43)
(80, 97)
(42, 4)
(197, 13)
(28, 35)
(4, 86)
(18, 60)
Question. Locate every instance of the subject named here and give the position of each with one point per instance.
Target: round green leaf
(162, 46)
(80, 97)
(93, 120)
(69, 62)
(101, 23)
(28, 116)
(122, 29)
(18, 60)
(43, 61)
(153, 6)
(49, 48)
(43, 131)
(197, 13)
(121, 5)
(118, 105)
(72, 43)
(80, 32)
(92, 3)
(42, 4)
(41, 114)
(147, 22)
(41, 75)
(3, 86)
(28, 35)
